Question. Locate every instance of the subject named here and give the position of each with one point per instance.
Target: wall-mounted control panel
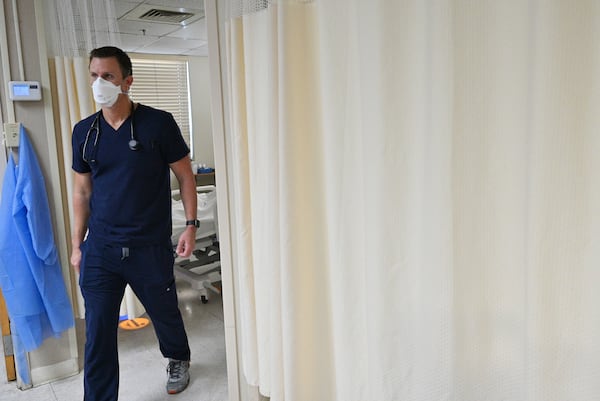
(24, 90)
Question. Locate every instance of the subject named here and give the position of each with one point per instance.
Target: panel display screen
(21, 90)
(24, 90)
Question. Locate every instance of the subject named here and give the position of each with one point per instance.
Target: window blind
(163, 84)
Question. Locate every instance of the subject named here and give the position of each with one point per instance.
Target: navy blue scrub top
(131, 192)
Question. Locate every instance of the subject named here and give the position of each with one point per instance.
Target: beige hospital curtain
(73, 28)
(416, 198)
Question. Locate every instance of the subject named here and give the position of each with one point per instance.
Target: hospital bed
(203, 269)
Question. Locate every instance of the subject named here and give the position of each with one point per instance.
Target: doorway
(204, 321)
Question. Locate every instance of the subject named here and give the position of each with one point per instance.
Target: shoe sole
(179, 391)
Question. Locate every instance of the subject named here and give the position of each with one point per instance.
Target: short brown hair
(112, 51)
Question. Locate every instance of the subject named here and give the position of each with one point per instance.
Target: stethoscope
(134, 144)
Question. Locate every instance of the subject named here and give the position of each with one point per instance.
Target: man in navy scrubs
(121, 198)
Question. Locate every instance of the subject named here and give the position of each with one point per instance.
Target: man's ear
(129, 81)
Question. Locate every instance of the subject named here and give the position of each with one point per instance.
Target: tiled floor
(142, 366)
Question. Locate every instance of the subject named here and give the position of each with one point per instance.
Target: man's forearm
(81, 214)
(189, 197)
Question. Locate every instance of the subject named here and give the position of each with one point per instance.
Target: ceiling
(160, 32)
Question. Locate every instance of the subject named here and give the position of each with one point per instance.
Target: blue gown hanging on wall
(30, 271)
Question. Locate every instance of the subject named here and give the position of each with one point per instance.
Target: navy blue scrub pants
(105, 271)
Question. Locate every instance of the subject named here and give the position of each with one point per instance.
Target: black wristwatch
(195, 223)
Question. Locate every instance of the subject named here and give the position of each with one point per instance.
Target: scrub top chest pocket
(147, 161)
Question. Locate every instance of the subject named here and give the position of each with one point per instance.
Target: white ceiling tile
(155, 48)
(123, 7)
(201, 51)
(182, 44)
(196, 30)
(132, 43)
(166, 45)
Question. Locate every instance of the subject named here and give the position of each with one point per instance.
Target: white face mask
(105, 93)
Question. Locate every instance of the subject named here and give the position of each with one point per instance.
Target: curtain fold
(71, 84)
(415, 199)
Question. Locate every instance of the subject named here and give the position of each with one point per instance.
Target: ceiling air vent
(170, 17)
(164, 14)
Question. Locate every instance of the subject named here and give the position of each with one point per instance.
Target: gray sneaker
(178, 376)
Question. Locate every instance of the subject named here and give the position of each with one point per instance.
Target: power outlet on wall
(11, 134)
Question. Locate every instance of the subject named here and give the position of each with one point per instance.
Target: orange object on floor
(134, 324)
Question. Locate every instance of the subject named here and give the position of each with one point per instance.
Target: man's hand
(76, 258)
(187, 241)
